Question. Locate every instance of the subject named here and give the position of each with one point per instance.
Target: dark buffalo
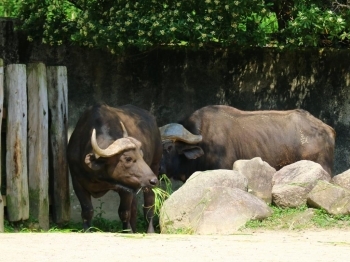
(115, 149)
(214, 137)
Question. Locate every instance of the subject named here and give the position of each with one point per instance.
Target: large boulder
(259, 174)
(211, 203)
(332, 198)
(292, 184)
(218, 177)
(342, 179)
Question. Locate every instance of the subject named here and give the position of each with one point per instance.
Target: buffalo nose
(153, 181)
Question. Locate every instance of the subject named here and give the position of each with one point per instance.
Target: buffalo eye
(128, 159)
(169, 148)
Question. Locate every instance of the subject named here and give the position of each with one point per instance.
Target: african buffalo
(115, 149)
(215, 136)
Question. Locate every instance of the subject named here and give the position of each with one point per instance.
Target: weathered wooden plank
(1, 114)
(38, 144)
(17, 198)
(58, 105)
(4, 200)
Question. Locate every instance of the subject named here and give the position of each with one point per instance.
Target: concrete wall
(172, 84)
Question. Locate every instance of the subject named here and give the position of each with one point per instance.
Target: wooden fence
(35, 123)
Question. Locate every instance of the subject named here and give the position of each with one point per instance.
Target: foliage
(325, 220)
(9, 8)
(162, 194)
(102, 224)
(117, 25)
(317, 25)
(282, 218)
(31, 225)
(120, 25)
(287, 218)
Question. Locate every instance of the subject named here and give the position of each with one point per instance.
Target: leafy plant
(289, 218)
(101, 224)
(31, 225)
(317, 26)
(9, 8)
(117, 26)
(324, 220)
(162, 194)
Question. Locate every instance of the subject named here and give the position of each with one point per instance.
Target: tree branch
(337, 4)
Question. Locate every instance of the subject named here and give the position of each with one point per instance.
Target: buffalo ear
(94, 163)
(193, 152)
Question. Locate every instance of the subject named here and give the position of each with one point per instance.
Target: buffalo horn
(125, 133)
(116, 147)
(176, 132)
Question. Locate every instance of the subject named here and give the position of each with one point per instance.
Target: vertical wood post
(58, 105)
(1, 113)
(38, 144)
(17, 199)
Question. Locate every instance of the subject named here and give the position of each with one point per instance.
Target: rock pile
(222, 201)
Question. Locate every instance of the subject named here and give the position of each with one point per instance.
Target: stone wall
(172, 84)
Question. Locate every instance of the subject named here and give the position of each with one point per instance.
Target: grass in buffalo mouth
(161, 193)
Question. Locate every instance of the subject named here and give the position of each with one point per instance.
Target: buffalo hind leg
(148, 208)
(84, 198)
(125, 210)
(133, 215)
(149, 198)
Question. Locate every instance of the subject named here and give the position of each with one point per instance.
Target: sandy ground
(310, 245)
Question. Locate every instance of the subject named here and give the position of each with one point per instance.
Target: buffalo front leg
(126, 211)
(84, 198)
(148, 208)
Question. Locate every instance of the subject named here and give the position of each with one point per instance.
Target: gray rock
(210, 203)
(332, 198)
(259, 174)
(342, 179)
(219, 177)
(292, 183)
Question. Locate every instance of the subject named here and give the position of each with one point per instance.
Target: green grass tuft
(299, 218)
(162, 193)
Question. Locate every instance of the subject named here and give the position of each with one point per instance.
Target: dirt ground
(309, 245)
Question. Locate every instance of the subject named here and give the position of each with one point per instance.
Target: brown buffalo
(115, 149)
(215, 136)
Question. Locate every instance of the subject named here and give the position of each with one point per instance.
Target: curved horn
(116, 147)
(176, 131)
(125, 133)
